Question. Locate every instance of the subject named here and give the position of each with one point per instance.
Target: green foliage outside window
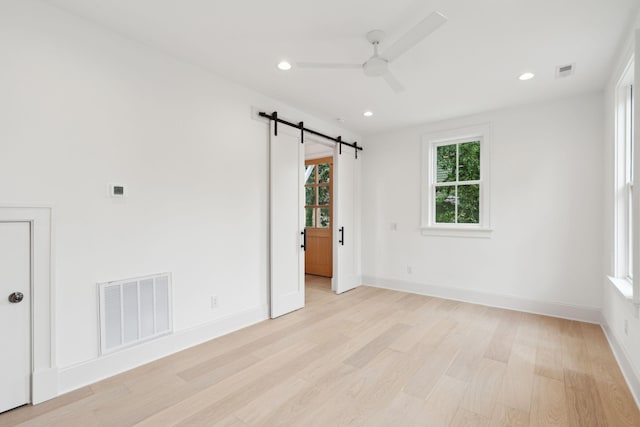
(324, 173)
(310, 219)
(457, 201)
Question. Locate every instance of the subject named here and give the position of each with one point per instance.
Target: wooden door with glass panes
(318, 213)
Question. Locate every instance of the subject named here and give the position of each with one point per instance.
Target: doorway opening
(325, 212)
(319, 216)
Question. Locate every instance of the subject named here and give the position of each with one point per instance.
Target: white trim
(635, 236)
(464, 230)
(622, 221)
(45, 385)
(430, 141)
(624, 362)
(43, 381)
(511, 302)
(624, 286)
(100, 368)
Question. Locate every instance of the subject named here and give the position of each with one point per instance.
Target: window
(317, 190)
(628, 193)
(456, 184)
(624, 177)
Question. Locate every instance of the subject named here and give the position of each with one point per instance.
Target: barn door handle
(341, 241)
(304, 239)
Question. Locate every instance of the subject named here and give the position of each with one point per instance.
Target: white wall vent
(134, 310)
(565, 70)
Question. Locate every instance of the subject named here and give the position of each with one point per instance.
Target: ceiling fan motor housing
(376, 66)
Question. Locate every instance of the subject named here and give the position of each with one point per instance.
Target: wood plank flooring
(369, 357)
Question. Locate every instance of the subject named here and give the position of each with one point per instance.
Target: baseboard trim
(92, 371)
(44, 385)
(624, 363)
(554, 309)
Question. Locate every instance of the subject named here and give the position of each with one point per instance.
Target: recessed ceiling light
(526, 76)
(367, 114)
(284, 65)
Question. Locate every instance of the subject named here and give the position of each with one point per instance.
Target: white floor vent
(134, 310)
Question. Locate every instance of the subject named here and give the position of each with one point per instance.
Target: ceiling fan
(378, 64)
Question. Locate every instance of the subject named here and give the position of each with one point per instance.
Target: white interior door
(287, 220)
(346, 277)
(15, 314)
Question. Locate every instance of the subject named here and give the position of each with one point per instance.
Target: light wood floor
(369, 357)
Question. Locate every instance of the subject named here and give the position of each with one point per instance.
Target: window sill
(624, 286)
(474, 232)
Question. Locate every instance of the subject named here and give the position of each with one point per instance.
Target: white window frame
(624, 191)
(430, 143)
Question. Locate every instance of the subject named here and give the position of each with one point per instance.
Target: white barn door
(346, 277)
(287, 220)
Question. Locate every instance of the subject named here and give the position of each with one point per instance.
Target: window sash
(457, 182)
(624, 176)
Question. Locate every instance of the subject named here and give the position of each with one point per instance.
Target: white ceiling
(469, 65)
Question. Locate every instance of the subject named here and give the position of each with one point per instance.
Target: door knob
(16, 297)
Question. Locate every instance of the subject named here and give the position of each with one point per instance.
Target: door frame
(44, 374)
(336, 153)
(334, 241)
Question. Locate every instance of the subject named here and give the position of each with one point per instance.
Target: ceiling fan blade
(393, 82)
(415, 35)
(330, 65)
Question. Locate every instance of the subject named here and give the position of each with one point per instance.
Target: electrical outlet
(626, 327)
(214, 301)
(409, 269)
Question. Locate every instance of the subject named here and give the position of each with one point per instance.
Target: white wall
(616, 308)
(544, 253)
(316, 150)
(81, 107)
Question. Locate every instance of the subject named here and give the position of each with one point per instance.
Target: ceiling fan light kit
(378, 64)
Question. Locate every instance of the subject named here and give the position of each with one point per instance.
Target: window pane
(323, 195)
(446, 163)
(446, 204)
(309, 217)
(324, 219)
(469, 161)
(469, 204)
(324, 172)
(310, 196)
(311, 170)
